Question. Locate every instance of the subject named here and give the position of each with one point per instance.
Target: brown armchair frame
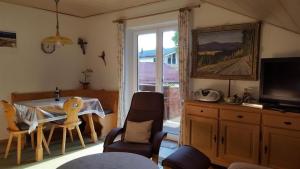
(144, 106)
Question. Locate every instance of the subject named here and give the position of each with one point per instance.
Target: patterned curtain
(120, 55)
(184, 28)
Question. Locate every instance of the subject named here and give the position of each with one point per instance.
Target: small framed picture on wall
(8, 39)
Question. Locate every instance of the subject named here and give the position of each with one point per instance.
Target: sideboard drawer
(281, 122)
(202, 111)
(240, 116)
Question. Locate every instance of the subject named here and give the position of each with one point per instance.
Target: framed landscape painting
(8, 39)
(226, 52)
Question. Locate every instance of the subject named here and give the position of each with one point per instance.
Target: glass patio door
(157, 70)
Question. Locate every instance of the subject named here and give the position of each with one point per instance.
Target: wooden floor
(73, 150)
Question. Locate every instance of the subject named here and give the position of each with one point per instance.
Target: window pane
(171, 76)
(147, 62)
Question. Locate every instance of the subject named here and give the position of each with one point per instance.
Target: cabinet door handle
(215, 138)
(266, 149)
(201, 111)
(222, 140)
(239, 116)
(287, 123)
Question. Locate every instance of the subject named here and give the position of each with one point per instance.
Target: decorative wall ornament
(86, 74)
(226, 52)
(102, 56)
(82, 43)
(8, 39)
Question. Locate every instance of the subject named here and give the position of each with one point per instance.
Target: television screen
(280, 81)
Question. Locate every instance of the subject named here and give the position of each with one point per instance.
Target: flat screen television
(280, 83)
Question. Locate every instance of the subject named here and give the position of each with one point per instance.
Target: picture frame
(8, 39)
(228, 52)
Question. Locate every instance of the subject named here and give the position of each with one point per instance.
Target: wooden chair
(72, 106)
(18, 130)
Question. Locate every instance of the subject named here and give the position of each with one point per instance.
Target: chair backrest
(147, 106)
(72, 107)
(10, 114)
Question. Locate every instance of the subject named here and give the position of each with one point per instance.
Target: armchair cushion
(138, 132)
(141, 149)
(108, 111)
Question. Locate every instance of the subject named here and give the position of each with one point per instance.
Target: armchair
(145, 106)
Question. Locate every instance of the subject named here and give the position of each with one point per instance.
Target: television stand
(282, 109)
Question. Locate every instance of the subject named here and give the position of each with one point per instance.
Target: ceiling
(83, 8)
(281, 13)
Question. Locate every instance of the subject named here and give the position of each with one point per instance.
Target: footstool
(186, 157)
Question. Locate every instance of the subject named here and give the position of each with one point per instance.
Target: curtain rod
(154, 14)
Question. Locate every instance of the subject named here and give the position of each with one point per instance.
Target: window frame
(159, 30)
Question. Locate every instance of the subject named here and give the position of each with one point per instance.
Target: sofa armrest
(158, 137)
(109, 139)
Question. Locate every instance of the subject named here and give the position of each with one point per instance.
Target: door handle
(239, 116)
(266, 149)
(215, 138)
(287, 123)
(222, 140)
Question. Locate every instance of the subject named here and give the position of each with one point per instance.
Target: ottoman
(186, 157)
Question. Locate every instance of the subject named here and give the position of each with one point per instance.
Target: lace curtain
(120, 55)
(184, 28)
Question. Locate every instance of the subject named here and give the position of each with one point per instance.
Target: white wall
(275, 42)
(26, 68)
(101, 35)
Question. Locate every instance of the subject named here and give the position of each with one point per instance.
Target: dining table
(35, 113)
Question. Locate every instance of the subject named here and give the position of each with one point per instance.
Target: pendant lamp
(57, 40)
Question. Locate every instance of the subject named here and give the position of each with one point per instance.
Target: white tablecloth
(34, 112)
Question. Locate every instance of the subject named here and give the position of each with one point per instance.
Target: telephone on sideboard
(207, 95)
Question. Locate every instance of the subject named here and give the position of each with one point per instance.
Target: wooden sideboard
(230, 133)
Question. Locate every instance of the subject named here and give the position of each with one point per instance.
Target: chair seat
(58, 122)
(107, 111)
(141, 149)
(22, 126)
(62, 122)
